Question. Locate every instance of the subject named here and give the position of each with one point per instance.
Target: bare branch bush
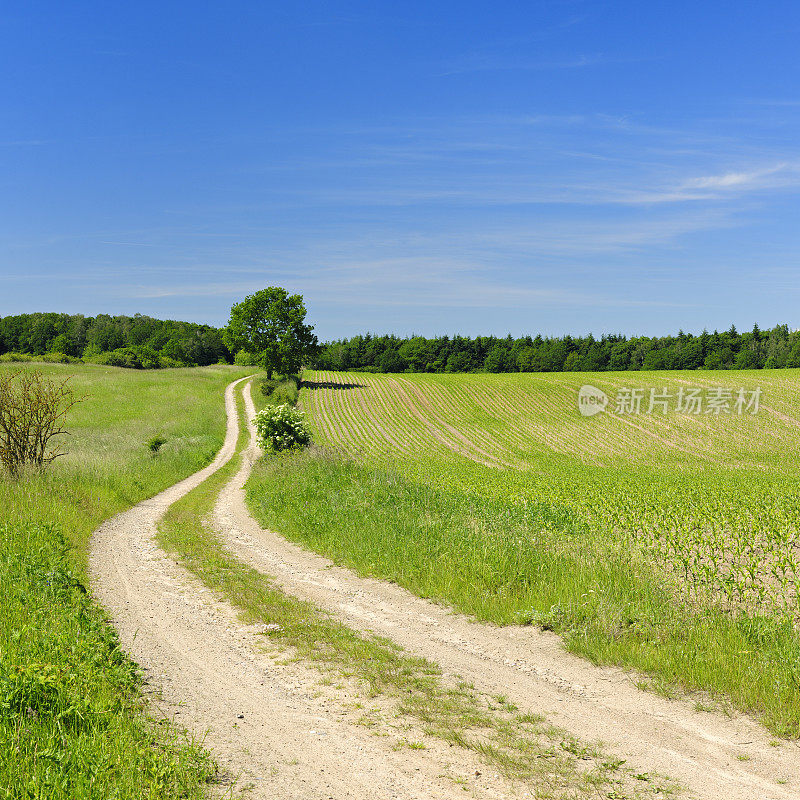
(32, 412)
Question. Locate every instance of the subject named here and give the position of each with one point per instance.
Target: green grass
(667, 545)
(71, 719)
(275, 391)
(521, 746)
(72, 722)
(108, 466)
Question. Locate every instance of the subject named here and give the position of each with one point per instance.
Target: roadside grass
(521, 746)
(275, 391)
(109, 466)
(72, 720)
(72, 724)
(534, 563)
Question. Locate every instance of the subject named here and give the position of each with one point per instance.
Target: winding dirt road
(272, 725)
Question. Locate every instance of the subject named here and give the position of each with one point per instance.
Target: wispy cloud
(215, 289)
(502, 267)
(601, 238)
(527, 159)
(413, 283)
(741, 180)
(775, 102)
(128, 244)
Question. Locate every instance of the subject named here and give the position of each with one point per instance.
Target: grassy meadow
(71, 718)
(661, 542)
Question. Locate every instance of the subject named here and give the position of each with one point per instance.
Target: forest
(756, 349)
(142, 342)
(138, 342)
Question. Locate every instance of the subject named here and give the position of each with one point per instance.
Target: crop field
(664, 541)
(718, 493)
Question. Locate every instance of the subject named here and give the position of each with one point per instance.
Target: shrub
(122, 357)
(15, 357)
(32, 410)
(281, 428)
(165, 362)
(59, 358)
(283, 391)
(154, 443)
(286, 393)
(245, 359)
(267, 386)
(140, 357)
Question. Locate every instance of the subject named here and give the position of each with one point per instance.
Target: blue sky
(554, 167)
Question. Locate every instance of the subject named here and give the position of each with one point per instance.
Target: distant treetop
(269, 328)
(729, 350)
(138, 341)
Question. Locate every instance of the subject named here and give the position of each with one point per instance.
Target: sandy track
(714, 756)
(271, 725)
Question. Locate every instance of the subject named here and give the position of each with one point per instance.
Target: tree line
(138, 341)
(756, 349)
(143, 342)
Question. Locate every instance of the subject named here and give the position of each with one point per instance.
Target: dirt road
(274, 727)
(292, 741)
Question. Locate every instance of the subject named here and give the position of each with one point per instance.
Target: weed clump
(155, 443)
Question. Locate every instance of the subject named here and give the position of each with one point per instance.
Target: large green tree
(270, 324)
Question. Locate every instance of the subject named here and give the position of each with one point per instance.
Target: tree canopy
(138, 341)
(756, 349)
(270, 325)
(145, 343)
